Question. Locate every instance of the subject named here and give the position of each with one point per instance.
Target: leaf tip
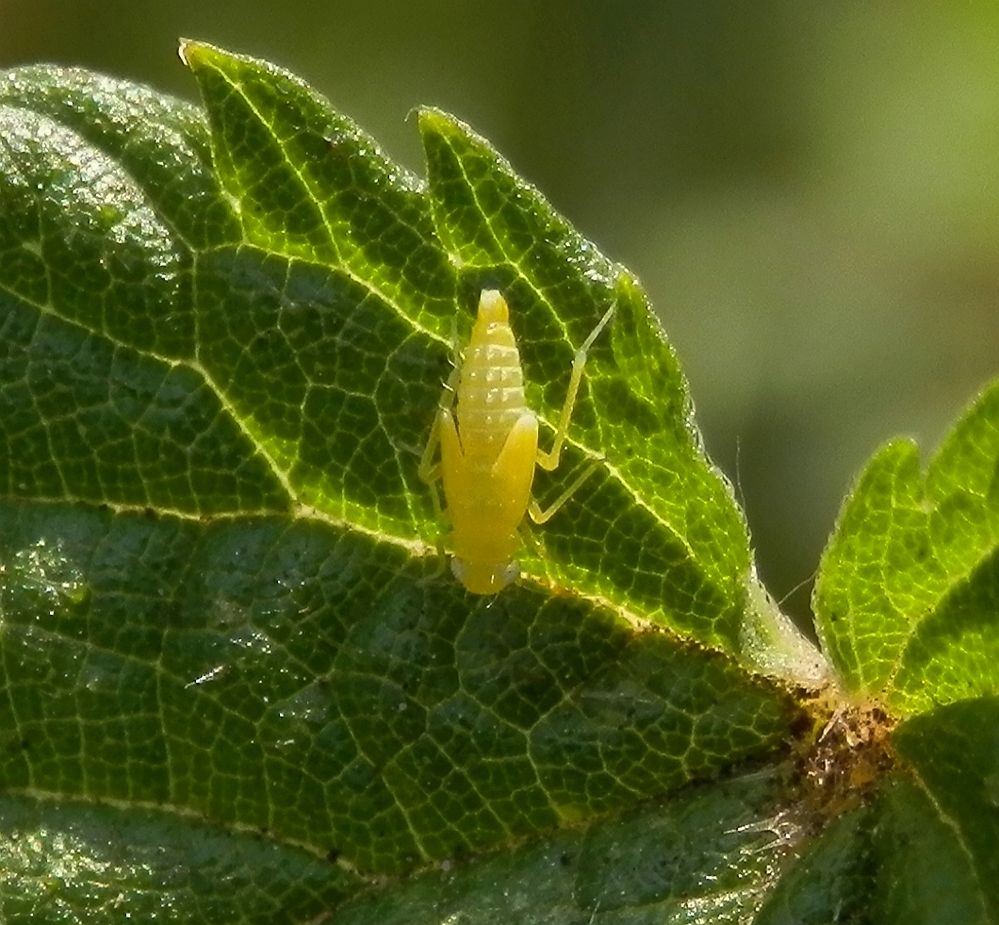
(193, 53)
(183, 50)
(432, 120)
(631, 295)
(628, 287)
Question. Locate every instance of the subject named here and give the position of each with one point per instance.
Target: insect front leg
(430, 472)
(550, 460)
(430, 469)
(442, 430)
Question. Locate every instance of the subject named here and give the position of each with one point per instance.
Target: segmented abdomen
(490, 393)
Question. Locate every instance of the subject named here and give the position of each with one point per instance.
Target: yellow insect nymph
(489, 450)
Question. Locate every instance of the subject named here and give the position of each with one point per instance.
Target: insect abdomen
(491, 384)
(490, 392)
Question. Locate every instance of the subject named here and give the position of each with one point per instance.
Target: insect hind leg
(550, 460)
(542, 515)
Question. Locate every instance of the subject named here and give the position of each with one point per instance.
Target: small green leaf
(907, 594)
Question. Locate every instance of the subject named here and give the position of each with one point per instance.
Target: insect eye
(511, 572)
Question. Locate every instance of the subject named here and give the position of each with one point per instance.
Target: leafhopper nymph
(489, 449)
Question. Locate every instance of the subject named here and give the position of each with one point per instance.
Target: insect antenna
(801, 584)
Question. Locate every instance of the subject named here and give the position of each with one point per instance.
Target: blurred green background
(808, 191)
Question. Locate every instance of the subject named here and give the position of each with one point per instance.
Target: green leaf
(909, 585)
(222, 620)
